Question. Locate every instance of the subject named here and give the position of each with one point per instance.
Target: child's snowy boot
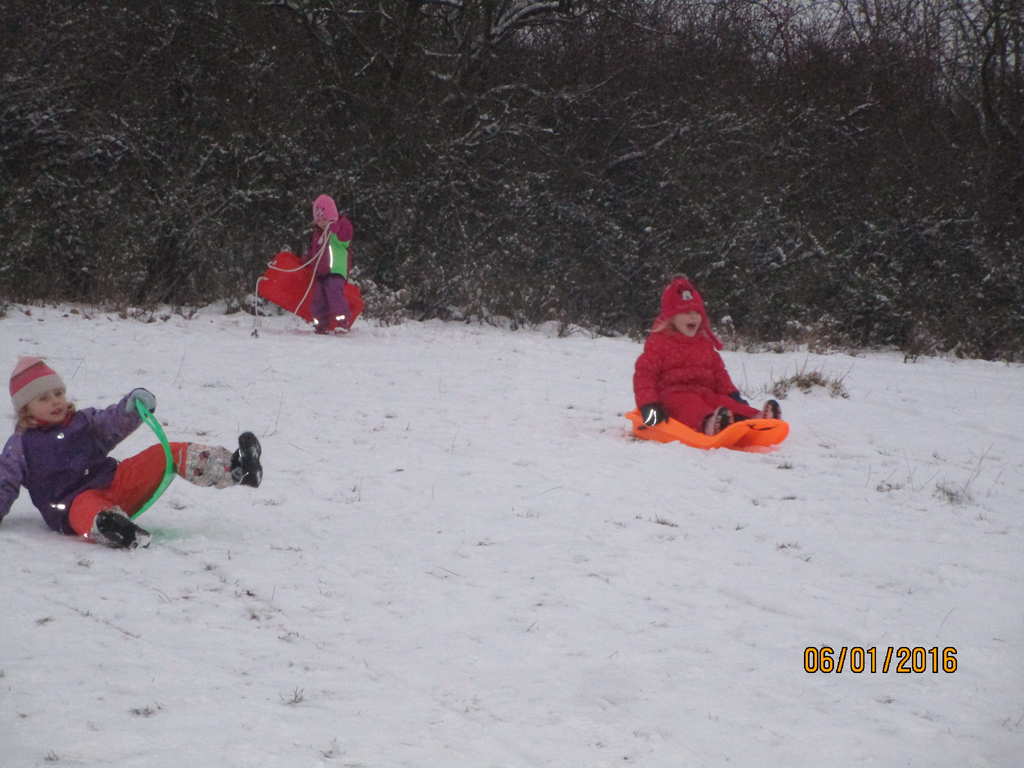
(217, 467)
(245, 462)
(208, 466)
(113, 528)
(717, 420)
(771, 410)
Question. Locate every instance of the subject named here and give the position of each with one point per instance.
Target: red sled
(289, 286)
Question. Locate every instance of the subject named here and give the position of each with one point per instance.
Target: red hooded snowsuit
(686, 375)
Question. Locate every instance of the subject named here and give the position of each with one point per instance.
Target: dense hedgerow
(819, 183)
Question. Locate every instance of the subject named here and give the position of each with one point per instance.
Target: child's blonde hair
(25, 421)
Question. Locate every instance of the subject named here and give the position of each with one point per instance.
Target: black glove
(144, 396)
(735, 395)
(652, 414)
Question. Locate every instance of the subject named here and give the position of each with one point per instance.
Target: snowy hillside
(459, 558)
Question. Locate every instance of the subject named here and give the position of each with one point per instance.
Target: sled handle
(150, 420)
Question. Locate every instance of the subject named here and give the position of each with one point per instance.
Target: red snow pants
(134, 482)
(692, 408)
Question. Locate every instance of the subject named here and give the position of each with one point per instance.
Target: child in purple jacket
(59, 454)
(330, 258)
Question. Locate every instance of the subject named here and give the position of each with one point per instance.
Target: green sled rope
(150, 419)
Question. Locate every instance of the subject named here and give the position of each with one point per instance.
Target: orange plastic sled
(746, 435)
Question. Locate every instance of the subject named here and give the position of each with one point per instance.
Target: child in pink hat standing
(331, 259)
(59, 453)
(680, 373)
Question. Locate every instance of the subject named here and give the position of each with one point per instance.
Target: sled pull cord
(256, 293)
(150, 419)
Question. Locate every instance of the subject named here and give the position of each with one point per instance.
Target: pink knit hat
(680, 296)
(324, 207)
(31, 378)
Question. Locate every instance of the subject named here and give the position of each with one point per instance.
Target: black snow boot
(114, 528)
(245, 462)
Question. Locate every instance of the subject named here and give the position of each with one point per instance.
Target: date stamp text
(873, 659)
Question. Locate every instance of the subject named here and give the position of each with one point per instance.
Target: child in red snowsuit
(680, 373)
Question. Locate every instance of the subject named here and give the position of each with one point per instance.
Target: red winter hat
(31, 378)
(680, 296)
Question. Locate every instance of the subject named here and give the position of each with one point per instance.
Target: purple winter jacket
(58, 462)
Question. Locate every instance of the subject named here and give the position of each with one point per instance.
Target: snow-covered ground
(459, 557)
